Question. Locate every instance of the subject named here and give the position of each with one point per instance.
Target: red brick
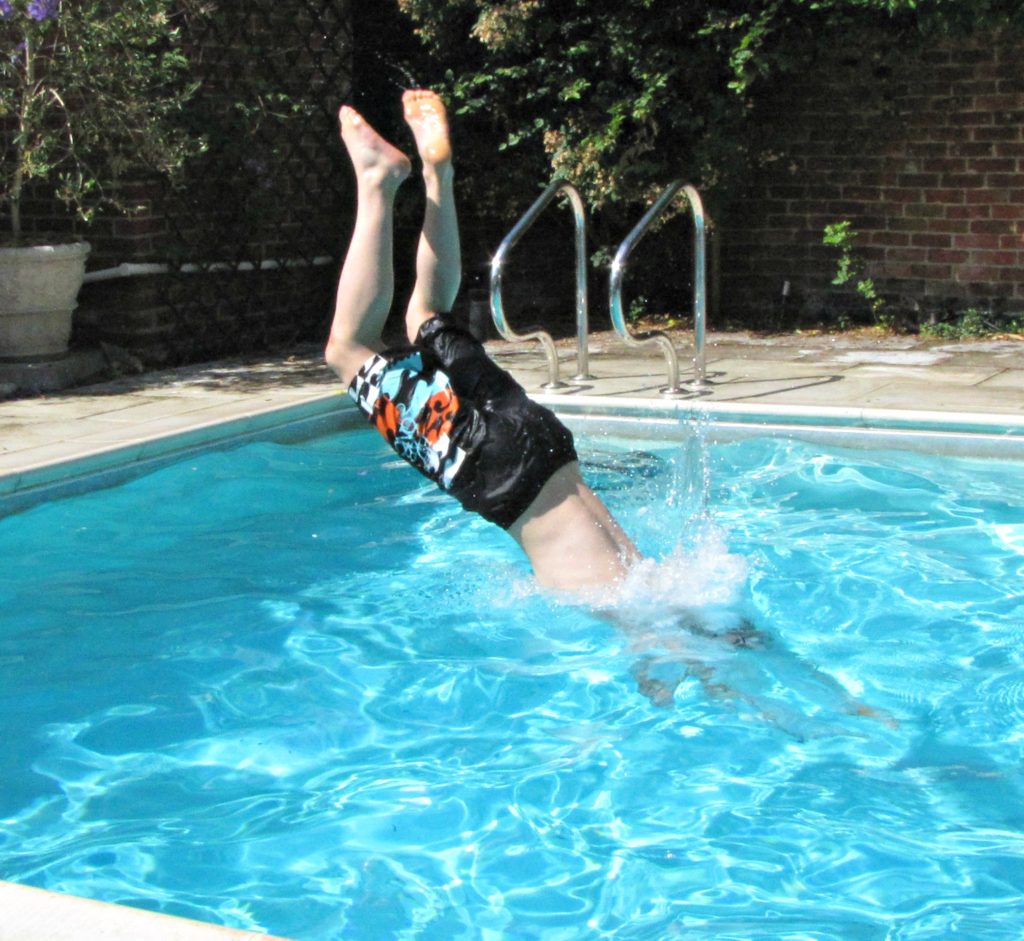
(901, 195)
(975, 149)
(994, 165)
(924, 210)
(950, 196)
(906, 254)
(963, 180)
(818, 222)
(841, 207)
(997, 102)
(867, 194)
(986, 197)
(1008, 180)
(980, 134)
(906, 271)
(919, 180)
(927, 149)
(878, 178)
(894, 239)
(990, 227)
(976, 273)
(988, 86)
(976, 241)
(977, 57)
(977, 120)
(931, 240)
(948, 165)
(973, 211)
(948, 225)
(948, 256)
(994, 258)
(952, 134)
(1013, 211)
(787, 191)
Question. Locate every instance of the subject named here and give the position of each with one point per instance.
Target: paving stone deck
(904, 373)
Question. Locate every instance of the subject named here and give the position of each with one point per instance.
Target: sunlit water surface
(291, 688)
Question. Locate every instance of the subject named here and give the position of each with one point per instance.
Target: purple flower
(6, 10)
(43, 9)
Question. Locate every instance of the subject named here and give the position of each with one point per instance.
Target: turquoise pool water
(290, 688)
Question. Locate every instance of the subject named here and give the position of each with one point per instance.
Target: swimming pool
(288, 687)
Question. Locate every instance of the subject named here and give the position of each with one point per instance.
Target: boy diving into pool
(464, 423)
(441, 402)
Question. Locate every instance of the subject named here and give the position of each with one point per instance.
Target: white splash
(701, 573)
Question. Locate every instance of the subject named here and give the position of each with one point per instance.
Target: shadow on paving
(299, 369)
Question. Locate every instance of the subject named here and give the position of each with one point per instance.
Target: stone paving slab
(844, 371)
(1012, 379)
(31, 914)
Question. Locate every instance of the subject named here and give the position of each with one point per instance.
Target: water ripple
(351, 694)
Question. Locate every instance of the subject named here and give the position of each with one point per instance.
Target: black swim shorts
(460, 420)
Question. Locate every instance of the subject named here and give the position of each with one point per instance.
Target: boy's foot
(426, 115)
(374, 159)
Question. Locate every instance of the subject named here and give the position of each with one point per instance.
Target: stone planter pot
(38, 292)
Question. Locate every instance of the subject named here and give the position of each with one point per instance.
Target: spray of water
(396, 68)
(696, 570)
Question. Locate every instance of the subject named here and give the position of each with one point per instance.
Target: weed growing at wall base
(973, 323)
(851, 267)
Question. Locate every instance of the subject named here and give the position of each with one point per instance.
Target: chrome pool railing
(497, 269)
(618, 272)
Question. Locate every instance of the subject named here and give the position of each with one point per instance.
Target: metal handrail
(497, 268)
(618, 272)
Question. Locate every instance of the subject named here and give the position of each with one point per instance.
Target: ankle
(441, 174)
(374, 181)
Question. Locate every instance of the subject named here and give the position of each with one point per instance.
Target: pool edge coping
(795, 415)
(115, 462)
(160, 447)
(32, 913)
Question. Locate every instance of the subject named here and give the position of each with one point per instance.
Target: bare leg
(438, 256)
(570, 538)
(366, 285)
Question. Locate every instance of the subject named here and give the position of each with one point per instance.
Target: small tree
(89, 89)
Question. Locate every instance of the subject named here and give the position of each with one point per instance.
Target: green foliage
(851, 267)
(622, 96)
(90, 89)
(972, 323)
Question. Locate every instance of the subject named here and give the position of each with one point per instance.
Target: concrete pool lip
(974, 378)
(59, 444)
(961, 434)
(31, 914)
(106, 463)
(792, 415)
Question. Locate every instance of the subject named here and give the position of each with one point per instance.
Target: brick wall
(922, 149)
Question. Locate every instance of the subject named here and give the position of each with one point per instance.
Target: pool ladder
(617, 274)
(497, 268)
